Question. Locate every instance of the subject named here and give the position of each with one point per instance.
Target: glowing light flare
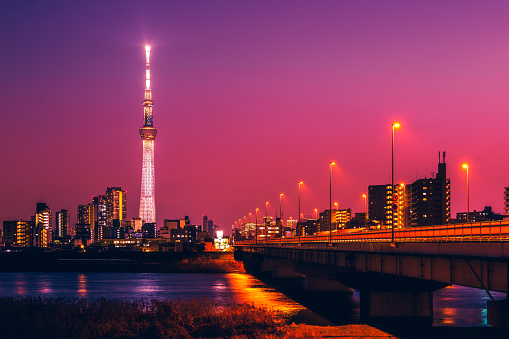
(147, 53)
(396, 125)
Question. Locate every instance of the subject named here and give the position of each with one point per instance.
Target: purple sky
(250, 97)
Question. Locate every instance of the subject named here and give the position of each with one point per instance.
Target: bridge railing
(468, 232)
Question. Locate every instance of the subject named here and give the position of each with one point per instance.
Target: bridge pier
(316, 279)
(280, 268)
(393, 299)
(385, 305)
(498, 314)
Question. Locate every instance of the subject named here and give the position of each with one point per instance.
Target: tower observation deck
(148, 135)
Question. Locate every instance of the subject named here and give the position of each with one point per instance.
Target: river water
(453, 306)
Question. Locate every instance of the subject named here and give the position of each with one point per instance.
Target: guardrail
(471, 232)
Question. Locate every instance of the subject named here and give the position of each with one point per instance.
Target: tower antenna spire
(148, 135)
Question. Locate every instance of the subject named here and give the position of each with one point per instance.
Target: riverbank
(121, 262)
(80, 318)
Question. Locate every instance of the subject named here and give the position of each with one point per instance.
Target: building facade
(486, 214)
(506, 201)
(116, 205)
(42, 224)
(62, 221)
(380, 205)
(430, 199)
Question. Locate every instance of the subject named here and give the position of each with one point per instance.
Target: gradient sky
(250, 97)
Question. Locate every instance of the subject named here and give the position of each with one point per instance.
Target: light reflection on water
(461, 306)
(222, 288)
(453, 306)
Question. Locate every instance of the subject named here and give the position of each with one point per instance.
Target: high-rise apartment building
(380, 204)
(100, 217)
(17, 232)
(42, 224)
(84, 223)
(116, 205)
(62, 221)
(429, 200)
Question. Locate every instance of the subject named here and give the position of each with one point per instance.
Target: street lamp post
(299, 221)
(465, 166)
(266, 223)
(280, 219)
(365, 211)
(332, 163)
(402, 217)
(394, 126)
(256, 224)
(316, 213)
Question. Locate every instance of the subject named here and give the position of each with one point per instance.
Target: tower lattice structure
(148, 135)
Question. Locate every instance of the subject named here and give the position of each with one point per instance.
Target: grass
(104, 318)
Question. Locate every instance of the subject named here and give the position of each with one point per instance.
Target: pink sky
(250, 98)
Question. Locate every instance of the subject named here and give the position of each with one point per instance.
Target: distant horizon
(250, 99)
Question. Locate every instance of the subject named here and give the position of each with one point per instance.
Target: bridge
(396, 276)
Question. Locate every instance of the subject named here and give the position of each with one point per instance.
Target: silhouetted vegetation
(81, 318)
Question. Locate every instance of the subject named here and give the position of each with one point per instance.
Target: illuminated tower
(148, 135)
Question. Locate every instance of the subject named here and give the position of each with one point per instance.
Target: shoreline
(121, 262)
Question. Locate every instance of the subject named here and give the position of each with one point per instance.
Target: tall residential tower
(148, 135)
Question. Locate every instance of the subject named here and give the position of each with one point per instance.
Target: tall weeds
(81, 318)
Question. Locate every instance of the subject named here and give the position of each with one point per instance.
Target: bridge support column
(280, 268)
(388, 298)
(498, 314)
(316, 279)
(322, 283)
(383, 305)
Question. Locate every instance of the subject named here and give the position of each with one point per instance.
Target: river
(453, 306)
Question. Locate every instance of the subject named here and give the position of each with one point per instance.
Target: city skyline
(253, 98)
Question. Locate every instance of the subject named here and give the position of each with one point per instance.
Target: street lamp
(280, 219)
(316, 213)
(394, 126)
(468, 193)
(332, 163)
(402, 217)
(365, 211)
(299, 221)
(256, 224)
(266, 223)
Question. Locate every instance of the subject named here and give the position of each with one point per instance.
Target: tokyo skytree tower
(148, 135)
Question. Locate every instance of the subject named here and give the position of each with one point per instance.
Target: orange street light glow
(396, 125)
